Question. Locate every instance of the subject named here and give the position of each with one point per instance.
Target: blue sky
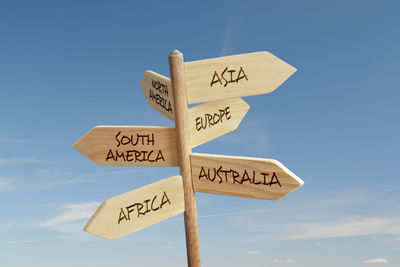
(67, 66)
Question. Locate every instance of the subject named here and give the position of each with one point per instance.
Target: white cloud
(232, 32)
(168, 247)
(377, 260)
(329, 217)
(4, 161)
(345, 227)
(284, 261)
(17, 242)
(48, 184)
(254, 130)
(24, 141)
(6, 185)
(226, 46)
(72, 218)
(76, 237)
(253, 252)
(353, 226)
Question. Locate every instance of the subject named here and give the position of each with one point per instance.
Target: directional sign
(242, 176)
(235, 76)
(138, 209)
(158, 92)
(213, 119)
(130, 145)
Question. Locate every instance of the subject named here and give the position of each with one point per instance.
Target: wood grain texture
(138, 209)
(158, 92)
(130, 145)
(178, 82)
(213, 119)
(242, 176)
(235, 76)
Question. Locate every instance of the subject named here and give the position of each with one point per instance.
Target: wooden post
(178, 82)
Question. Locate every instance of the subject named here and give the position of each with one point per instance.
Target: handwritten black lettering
(162, 88)
(208, 120)
(238, 177)
(135, 155)
(144, 139)
(164, 200)
(233, 77)
(161, 101)
(215, 79)
(142, 207)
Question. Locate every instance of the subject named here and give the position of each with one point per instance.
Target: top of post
(175, 53)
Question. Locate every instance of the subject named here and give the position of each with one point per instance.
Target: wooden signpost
(220, 82)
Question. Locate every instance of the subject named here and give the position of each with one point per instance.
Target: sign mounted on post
(138, 209)
(235, 76)
(213, 119)
(242, 176)
(158, 92)
(130, 146)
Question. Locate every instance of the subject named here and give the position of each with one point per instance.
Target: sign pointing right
(235, 76)
(242, 176)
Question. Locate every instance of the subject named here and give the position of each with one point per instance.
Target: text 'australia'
(220, 175)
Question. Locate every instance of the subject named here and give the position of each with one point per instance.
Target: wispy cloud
(168, 247)
(71, 219)
(284, 261)
(4, 161)
(253, 130)
(18, 242)
(76, 237)
(232, 32)
(253, 252)
(6, 185)
(227, 39)
(331, 217)
(377, 260)
(357, 226)
(25, 141)
(45, 179)
(53, 183)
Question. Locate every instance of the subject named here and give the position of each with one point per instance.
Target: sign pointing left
(158, 92)
(130, 145)
(138, 209)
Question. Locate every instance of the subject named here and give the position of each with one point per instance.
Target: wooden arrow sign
(130, 146)
(138, 209)
(213, 119)
(242, 176)
(235, 76)
(158, 92)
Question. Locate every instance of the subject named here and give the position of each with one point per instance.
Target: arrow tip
(77, 144)
(94, 228)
